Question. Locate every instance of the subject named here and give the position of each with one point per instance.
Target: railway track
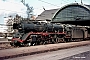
(5, 45)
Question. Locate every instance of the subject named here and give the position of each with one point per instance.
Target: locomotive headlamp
(20, 27)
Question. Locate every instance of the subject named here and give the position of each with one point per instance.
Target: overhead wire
(65, 1)
(48, 3)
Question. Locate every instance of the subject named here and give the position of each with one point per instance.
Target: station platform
(24, 51)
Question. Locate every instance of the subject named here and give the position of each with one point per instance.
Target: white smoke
(11, 7)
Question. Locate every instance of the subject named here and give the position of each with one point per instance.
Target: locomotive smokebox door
(15, 26)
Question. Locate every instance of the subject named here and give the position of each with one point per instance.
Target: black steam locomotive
(35, 33)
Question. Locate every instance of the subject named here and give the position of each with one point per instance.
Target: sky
(12, 7)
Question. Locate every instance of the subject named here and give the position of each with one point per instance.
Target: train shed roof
(75, 13)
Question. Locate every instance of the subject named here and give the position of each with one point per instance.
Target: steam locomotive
(35, 33)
